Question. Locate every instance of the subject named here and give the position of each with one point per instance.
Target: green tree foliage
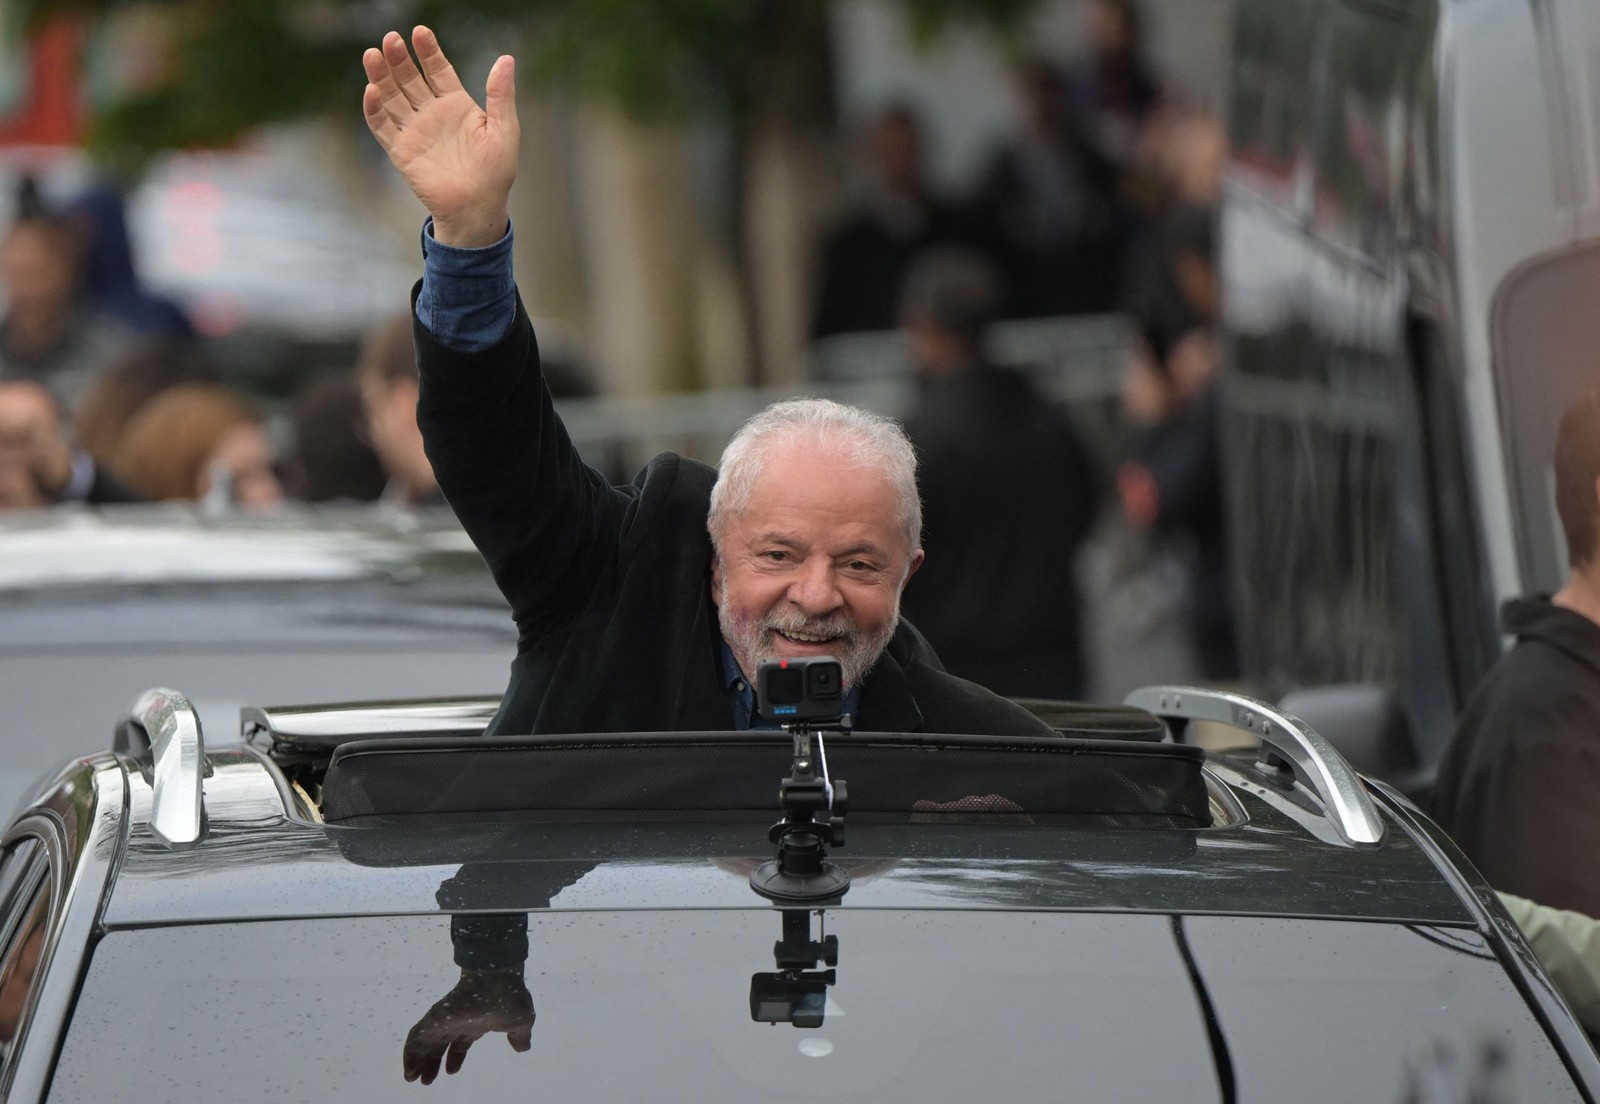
(241, 63)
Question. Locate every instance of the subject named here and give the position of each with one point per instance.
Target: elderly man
(646, 606)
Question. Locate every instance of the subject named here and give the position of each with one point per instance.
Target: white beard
(752, 638)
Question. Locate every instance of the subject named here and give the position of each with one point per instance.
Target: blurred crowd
(107, 393)
(1104, 199)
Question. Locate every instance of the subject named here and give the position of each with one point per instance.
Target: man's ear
(716, 580)
(916, 561)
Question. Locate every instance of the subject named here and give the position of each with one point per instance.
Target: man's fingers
(378, 119)
(422, 1063)
(500, 95)
(521, 1038)
(403, 71)
(391, 100)
(435, 66)
(457, 1053)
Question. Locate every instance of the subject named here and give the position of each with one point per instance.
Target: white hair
(864, 439)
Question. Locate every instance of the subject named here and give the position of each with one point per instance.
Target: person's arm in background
(39, 465)
(1568, 946)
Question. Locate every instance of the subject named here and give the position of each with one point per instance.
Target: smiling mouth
(806, 638)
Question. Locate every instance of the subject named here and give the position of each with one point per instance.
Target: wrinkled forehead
(809, 481)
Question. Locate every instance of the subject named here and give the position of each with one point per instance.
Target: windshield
(926, 1006)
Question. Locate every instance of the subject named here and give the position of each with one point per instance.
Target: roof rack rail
(325, 727)
(1286, 740)
(163, 725)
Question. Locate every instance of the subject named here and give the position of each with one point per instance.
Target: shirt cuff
(81, 479)
(468, 297)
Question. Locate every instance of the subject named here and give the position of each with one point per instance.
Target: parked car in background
(357, 896)
(327, 604)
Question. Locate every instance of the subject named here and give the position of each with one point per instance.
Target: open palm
(458, 159)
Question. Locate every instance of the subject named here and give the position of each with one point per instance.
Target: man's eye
(776, 555)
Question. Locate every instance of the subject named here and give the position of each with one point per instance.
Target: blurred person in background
(386, 373)
(863, 257)
(1112, 91)
(50, 333)
(1009, 493)
(1169, 274)
(201, 443)
(39, 464)
(330, 460)
(1170, 485)
(1048, 207)
(110, 277)
(118, 393)
(1516, 786)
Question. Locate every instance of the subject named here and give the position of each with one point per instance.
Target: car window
(21, 961)
(926, 1005)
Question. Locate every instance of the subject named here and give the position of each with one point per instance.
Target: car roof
(313, 816)
(303, 889)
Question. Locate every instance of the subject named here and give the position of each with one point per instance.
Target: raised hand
(459, 159)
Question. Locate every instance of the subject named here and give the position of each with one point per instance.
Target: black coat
(1519, 785)
(610, 586)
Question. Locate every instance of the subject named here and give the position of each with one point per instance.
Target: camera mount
(813, 804)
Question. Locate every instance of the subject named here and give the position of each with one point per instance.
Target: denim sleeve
(468, 297)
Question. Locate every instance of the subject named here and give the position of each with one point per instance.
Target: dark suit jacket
(610, 586)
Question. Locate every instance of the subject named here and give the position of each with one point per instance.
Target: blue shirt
(468, 298)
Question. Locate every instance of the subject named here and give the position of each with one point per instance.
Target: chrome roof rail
(1285, 738)
(163, 724)
(325, 727)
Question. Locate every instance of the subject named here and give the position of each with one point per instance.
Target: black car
(358, 896)
(310, 604)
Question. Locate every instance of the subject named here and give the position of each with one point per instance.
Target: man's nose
(815, 590)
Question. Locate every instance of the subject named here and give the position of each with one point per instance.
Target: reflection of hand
(482, 1001)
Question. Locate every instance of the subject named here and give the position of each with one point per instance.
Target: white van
(1411, 264)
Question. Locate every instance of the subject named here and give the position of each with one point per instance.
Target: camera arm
(813, 806)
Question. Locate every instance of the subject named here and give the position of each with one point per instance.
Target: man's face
(814, 565)
(37, 274)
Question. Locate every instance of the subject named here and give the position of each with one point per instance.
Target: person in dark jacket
(863, 258)
(998, 599)
(647, 606)
(1519, 785)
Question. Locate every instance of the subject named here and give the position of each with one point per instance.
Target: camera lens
(822, 679)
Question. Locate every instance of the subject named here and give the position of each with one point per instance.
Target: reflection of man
(632, 615)
(1517, 787)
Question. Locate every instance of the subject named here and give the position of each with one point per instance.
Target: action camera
(808, 689)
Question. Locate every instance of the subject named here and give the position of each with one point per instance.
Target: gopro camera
(799, 999)
(806, 689)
